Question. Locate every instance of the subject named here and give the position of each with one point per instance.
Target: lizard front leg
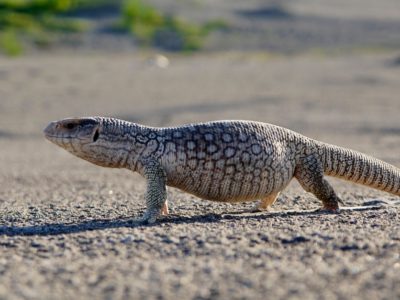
(156, 193)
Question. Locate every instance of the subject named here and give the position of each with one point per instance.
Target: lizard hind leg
(165, 210)
(310, 175)
(267, 202)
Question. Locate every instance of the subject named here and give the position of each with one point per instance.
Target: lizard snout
(48, 131)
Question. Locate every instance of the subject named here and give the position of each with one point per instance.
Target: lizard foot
(149, 217)
(257, 209)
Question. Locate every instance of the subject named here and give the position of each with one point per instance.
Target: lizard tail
(361, 168)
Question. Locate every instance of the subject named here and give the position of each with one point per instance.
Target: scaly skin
(228, 161)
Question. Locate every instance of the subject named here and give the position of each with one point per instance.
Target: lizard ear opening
(96, 135)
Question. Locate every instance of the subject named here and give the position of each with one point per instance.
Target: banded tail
(360, 168)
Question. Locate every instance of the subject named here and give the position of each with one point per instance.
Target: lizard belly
(230, 180)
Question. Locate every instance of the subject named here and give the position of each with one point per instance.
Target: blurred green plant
(9, 43)
(25, 22)
(152, 28)
(35, 20)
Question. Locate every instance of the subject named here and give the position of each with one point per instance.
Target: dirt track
(64, 224)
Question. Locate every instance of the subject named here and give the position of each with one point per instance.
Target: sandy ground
(64, 224)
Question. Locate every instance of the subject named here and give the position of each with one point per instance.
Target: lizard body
(228, 161)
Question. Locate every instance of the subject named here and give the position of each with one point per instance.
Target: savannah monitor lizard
(226, 161)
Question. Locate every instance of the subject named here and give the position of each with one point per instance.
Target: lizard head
(106, 142)
(76, 135)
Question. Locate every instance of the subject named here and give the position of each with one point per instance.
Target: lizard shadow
(69, 228)
(64, 228)
(261, 215)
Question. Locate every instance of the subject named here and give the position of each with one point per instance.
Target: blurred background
(317, 67)
(313, 66)
(283, 26)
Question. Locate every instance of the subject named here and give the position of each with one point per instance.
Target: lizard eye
(70, 125)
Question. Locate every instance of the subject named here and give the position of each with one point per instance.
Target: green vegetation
(153, 28)
(34, 21)
(10, 43)
(37, 22)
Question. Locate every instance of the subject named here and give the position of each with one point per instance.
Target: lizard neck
(134, 144)
(123, 144)
(145, 144)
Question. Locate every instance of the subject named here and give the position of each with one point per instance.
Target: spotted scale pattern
(227, 161)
